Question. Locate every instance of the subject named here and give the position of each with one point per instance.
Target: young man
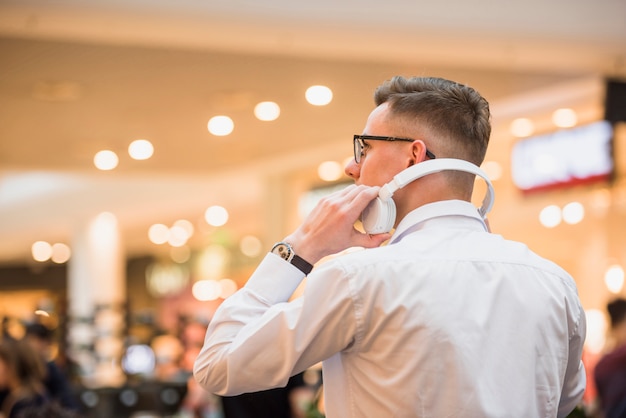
(447, 320)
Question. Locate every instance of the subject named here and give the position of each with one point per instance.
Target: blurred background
(152, 152)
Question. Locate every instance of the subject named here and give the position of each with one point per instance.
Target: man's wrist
(285, 251)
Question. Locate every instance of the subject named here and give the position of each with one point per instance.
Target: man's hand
(329, 228)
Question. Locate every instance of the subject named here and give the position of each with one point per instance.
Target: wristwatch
(285, 251)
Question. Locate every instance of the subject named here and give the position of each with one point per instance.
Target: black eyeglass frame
(359, 144)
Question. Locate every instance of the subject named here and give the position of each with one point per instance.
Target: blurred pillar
(97, 300)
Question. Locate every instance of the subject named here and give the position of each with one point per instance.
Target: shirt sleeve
(258, 339)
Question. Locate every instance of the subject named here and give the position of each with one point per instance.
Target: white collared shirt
(446, 321)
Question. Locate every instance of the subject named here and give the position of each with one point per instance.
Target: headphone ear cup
(379, 216)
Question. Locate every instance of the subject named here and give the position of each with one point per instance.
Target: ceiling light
(105, 160)
(221, 125)
(319, 95)
(267, 111)
(140, 149)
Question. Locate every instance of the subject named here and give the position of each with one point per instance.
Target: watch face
(283, 251)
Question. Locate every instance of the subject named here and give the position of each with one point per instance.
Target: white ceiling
(77, 77)
(559, 35)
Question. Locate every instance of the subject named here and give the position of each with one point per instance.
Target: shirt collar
(414, 219)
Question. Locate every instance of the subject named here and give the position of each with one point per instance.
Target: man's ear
(418, 151)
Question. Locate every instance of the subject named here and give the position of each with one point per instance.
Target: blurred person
(21, 373)
(446, 320)
(610, 371)
(41, 338)
(168, 351)
(48, 410)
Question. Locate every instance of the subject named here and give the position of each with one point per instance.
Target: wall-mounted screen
(564, 158)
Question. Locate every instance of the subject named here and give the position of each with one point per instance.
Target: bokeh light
(205, 290)
(564, 118)
(216, 216)
(140, 149)
(186, 225)
(614, 278)
(139, 359)
(267, 111)
(159, 234)
(319, 95)
(550, 216)
(250, 246)
(41, 251)
(178, 236)
(573, 213)
(330, 171)
(105, 160)
(61, 253)
(596, 330)
(221, 125)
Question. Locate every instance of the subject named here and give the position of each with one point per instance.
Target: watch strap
(303, 265)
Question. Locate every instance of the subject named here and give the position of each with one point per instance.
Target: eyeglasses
(359, 144)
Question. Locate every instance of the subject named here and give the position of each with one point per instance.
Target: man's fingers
(359, 196)
(350, 200)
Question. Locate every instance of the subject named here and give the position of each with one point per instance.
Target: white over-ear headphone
(380, 215)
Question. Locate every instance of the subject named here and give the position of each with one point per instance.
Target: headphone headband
(434, 166)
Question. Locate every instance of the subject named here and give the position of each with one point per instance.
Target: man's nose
(352, 169)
